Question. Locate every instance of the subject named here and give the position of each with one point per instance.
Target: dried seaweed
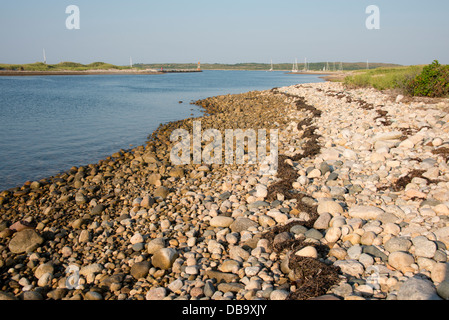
(313, 278)
(442, 152)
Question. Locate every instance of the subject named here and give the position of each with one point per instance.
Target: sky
(210, 31)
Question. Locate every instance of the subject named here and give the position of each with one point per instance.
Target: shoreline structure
(359, 209)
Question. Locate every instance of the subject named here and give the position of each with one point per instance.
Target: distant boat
(45, 57)
(271, 65)
(295, 66)
(305, 65)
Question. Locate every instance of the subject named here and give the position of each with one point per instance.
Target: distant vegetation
(333, 66)
(423, 81)
(63, 66)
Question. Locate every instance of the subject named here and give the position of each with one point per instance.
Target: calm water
(50, 123)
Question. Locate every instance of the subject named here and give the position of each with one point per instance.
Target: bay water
(50, 123)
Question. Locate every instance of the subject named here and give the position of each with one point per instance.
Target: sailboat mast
(45, 57)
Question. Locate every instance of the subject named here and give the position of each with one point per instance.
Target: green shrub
(432, 82)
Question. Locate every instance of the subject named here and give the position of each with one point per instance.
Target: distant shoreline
(90, 72)
(78, 73)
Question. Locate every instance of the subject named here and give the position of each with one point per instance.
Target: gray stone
(225, 195)
(398, 244)
(350, 267)
(98, 209)
(209, 289)
(242, 224)
(417, 289)
(230, 287)
(372, 250)
(322, 223)
(443, 290)
(25, 241)
(4, 296)
(222, 276)
(424, 247)
(314, 234)
(298, 229)
(258, 204)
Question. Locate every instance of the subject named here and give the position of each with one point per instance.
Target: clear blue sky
(411, 31)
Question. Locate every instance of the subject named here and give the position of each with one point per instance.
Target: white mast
(45, 58)
(295, 66)
(131, 61)
(271, 65)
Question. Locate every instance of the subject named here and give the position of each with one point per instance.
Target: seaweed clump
(311, 277)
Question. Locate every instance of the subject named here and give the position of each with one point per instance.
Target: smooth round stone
(365, 212)
(93, 295)
(221, 221)
(417, 289)
(354, 252)
(315, 173)
(136, 238)
(398, 244)
(25, 241)
(350, 267)
(278, 295)
(314, 234)
(333, 234)
(424, 247)
(242, 224)
(440, 272)
(400, 260)
(156, 294)
(309, 252)
(164, 258)
(331, 207)
(155, 245)
(140, 270)
(443, 290)
(161, 192)
(322, 223)
(298, 229)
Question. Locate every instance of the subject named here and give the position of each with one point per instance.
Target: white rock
(406, 144)
(315, 173)
(331, 207)
(136, 238)
(365, 212)
(309, 252)
(350, 267)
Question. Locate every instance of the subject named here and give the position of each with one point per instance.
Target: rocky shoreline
(359, 209)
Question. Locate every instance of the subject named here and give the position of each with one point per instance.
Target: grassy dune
(63, 66)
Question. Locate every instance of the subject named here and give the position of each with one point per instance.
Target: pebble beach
(359, 209)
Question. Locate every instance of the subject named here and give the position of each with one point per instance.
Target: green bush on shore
(432, 82)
